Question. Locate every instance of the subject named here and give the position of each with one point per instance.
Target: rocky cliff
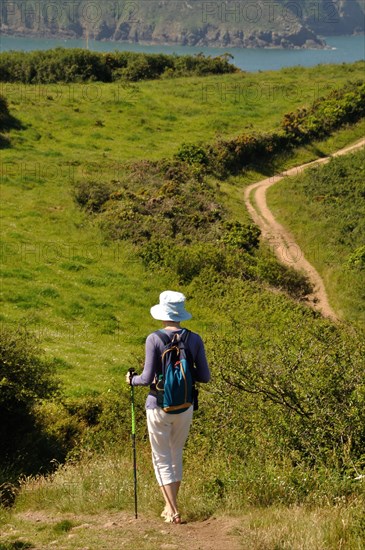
(243, 23)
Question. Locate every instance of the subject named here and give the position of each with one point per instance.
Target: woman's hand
(129, 376)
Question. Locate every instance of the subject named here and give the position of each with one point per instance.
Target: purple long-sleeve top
(154, 349)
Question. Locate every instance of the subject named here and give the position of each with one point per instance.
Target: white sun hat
(171, 307)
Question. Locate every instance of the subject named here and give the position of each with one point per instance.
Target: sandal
(176, 518)
(171, 518)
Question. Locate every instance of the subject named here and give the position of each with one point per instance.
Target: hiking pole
(131, 373)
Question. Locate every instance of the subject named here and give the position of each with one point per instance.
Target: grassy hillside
(282, 423)
(61, 276)
(325, 210)
(107, 124)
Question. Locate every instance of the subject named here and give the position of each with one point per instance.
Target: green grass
(109, 123)
(324, 210)
(86, 298)
(93, 502)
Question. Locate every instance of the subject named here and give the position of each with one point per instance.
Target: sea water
(341, 49)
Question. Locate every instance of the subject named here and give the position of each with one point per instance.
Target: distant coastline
(264, 40)
(341, 49)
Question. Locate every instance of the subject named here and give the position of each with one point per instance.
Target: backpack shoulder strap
(185, 335)
(163, 337)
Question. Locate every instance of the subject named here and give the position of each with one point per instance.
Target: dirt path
(283, 243)
(107, 531)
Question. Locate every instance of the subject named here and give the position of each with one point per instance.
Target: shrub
(92, 195)
(340, 107)
(192, 154)
(4, 112)
(79, 65)
(7, 122)
(25, 379)
(188, 262)
(356, 260)
(244, 237)
(309, 388)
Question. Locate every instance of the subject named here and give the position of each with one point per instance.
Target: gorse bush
(25, 379)
(340, 107)
(302, 384)
(356, 260)
(242, 237)
(179, 226)
(79, 65)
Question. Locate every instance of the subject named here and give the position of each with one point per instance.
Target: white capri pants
(168, 434)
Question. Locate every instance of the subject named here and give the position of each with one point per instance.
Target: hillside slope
(243, 24)
(280, 239)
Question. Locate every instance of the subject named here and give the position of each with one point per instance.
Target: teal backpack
(175, 383)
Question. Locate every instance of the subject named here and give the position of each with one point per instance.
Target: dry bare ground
(107, 531)
(294, 528)
(283, 243)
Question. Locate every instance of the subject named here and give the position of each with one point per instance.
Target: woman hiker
(168, 432)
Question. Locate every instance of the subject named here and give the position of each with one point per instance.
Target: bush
(92, 195)
(79, 65)
(7, 122)
(4, 112)
(192, 154)
(26, 379)
(242, 237)
(356, 260)
(309, 388)
(326, 114)
(340, 107)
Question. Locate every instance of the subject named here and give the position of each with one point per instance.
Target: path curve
(282, 242)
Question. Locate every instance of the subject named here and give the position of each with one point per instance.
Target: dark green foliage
(192, 154)
(92, 195)
(7, 122)
(309, 382)
(25, 379)
(340, 107)
(279, 276)
(63, 526)
(343, 106)
(85, 409)
(166, 209)
(16, 545)
(243, 237)
(4, 113)
(79, 65)
(356, 260)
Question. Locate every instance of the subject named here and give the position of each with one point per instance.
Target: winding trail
(282, 242)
